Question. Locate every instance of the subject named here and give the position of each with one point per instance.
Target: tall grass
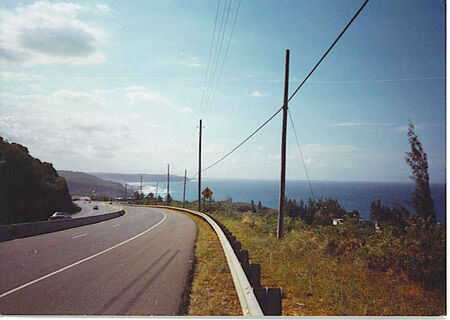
(316, 282)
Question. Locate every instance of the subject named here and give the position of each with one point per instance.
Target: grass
(317, 284)
(314, 283)
(212, 292)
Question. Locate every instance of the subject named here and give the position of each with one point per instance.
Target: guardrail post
(243, 257)
(236, 246)
(261, 296)
(273, 302)
(254, 275)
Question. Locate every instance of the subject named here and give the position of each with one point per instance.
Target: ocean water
(351, 195)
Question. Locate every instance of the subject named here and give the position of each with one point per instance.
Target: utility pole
(141, 184)
(184, 190)
(200, 167)
(126, 189)
(156, 191)
(282, 201)
(168, 181)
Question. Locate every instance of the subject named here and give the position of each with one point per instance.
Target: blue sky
(117, 85)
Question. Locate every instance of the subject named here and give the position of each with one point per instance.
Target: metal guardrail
(254, 299)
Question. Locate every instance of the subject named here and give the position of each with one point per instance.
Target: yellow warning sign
(207, 193)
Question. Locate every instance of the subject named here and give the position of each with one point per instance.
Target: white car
(59, 216)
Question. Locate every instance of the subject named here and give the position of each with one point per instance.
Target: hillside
(30, 190)
(80, 183)
(134, 177)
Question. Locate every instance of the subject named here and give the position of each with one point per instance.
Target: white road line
(81, 235)
(81, 261)
(116, 225)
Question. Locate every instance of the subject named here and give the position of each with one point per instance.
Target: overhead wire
(290, 98)
(329, 49)
(301, 156)
(240, 144)
(209, 56)
(218, 51)
(214, 90)
(214, 53)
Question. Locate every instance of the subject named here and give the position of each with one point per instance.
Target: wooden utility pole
(168, 182)
(184, 189)
(282, 201)
(141, 184)
(200, 167)
(156, 191)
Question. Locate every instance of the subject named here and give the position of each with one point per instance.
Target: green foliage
(168, 199)
(138, 196)
(252, 207)
(397, 217)
(30, 190)
(417, 160)
(100, 197)
(81, 183)
(319, 212)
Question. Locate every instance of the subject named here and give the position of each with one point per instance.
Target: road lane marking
(82, 260)
(116, 225)
(81, 235)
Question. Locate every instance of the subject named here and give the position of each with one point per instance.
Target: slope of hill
(81, 183)
(30, 190)
(134, 177)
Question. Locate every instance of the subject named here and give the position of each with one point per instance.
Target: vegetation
(397, 268)
(30, 190)
(417, 160)
(212, 291)
(81, 183)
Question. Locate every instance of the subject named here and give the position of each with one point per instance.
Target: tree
(137, 196)
(385, 216)
(417, 159)
(168, 199)
(252, 207)
(260, 207)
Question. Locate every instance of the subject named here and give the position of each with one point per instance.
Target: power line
(329, 49)
(216, 52)
(301, 156)
(240, 144)
(210, 52)
(211, 100)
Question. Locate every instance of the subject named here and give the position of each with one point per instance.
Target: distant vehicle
(95, 208)
(59, 216)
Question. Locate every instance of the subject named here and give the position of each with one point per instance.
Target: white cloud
(95, 96)
(362, 124)
(8, 76)
(257, 94)
(330, 149)
(46, 32)
(135, 94)
(187, 109)
(193, 62)
(103, 8)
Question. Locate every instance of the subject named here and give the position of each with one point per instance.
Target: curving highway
(137, 264)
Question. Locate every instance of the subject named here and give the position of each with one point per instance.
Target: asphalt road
(137, 264)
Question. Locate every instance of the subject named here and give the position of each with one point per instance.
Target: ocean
(351, 195)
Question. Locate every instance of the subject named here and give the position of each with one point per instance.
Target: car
(95, 208)
(59, 215)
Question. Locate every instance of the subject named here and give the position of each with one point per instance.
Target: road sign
(207, 193)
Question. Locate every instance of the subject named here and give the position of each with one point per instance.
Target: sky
(120, 86)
